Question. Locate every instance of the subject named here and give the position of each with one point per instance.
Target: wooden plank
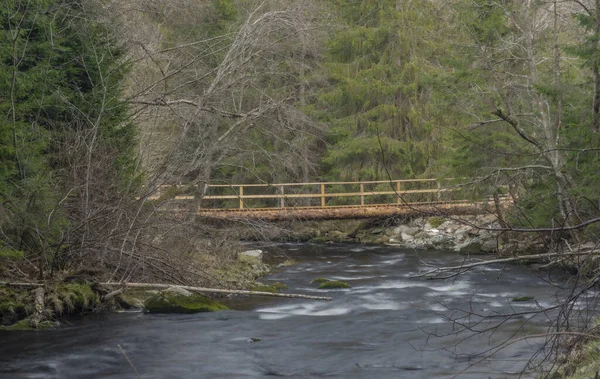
(353, 212)
(233, 185)
(325, 195)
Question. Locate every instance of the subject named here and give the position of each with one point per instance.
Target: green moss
(288, 263)
(333, 284)
(265, 288)
(171, 302)
(582, 363)
(273, 287)
(522, 298)
(13, 305)
(25, 324)
(19, 325)
(279, 286)
(436, 221)
(319, 281)
(77, 297)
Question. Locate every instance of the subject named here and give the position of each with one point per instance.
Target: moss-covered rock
(319, 281)
(522, 298)
(279, 285)
(134, 298)
(333, 284)
(169, 301)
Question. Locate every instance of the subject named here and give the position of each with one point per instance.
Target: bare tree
(208, 90)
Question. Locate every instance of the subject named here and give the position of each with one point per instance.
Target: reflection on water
(382, 327)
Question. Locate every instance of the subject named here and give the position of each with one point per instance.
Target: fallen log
(216, 290)
(464, 267)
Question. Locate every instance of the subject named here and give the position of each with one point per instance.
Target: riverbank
(472, 235)
(43, 305)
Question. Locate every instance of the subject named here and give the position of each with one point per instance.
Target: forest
(104, 102)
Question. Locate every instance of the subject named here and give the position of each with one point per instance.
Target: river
(386, 326)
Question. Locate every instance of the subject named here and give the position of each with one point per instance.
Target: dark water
(386, 326)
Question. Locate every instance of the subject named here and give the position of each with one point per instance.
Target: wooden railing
(288, 194)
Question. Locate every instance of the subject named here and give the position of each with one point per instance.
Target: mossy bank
(26, 306)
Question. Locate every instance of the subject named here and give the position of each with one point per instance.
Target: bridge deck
(345, 212)
(319, 200)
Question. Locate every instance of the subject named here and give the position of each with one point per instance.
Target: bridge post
(241, 195)
(398, 200)
(439, 192)
(322, 194)
(282, 200)
(362, 196)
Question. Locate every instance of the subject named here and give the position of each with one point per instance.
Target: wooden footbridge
(328, 200)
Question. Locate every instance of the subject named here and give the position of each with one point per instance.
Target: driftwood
(216, 290)
(463, 267)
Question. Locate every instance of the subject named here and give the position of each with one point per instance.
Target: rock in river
(177, 300)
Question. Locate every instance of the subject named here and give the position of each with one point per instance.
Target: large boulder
(178, 300)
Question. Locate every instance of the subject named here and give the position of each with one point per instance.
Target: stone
(332, 284)
(411, 230)
(469, 246)
(258, 254)
(489, 246)
(407, 237)
(173, 302)
(441, 240)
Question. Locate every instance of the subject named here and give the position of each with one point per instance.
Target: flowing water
(386, 326)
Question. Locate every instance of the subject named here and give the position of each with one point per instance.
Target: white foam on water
(272, 316)
(381, 302)
(451, 287)
(356, 277)
(392, 261)
(305, 309)
(495, 304)
(437, 308)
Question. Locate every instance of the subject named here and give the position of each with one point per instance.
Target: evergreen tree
(379, 106)
(67, 147)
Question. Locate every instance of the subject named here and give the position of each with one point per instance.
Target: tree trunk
(596, 72)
